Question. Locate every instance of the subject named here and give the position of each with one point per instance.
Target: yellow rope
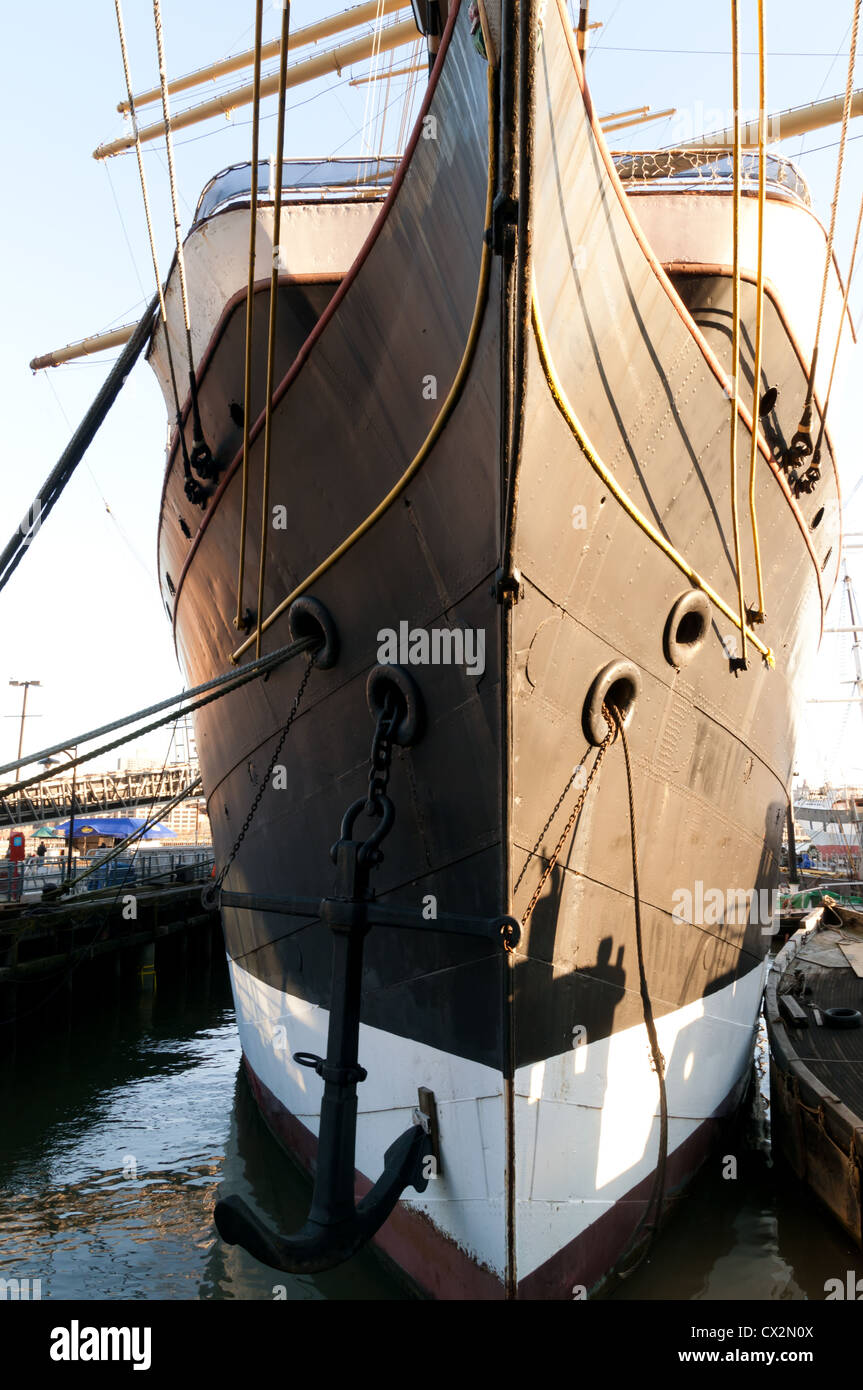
(614, 487)
(759, 615)
(735, 334)
(441, 420)
(250, 304)
(274, 295)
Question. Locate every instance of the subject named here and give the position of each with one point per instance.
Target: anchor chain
(381, 756)
(576, 811)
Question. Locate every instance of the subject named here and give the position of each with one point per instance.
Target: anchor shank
(333, 1199)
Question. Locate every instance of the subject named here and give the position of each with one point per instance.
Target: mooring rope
(219, 686)
(657, 1196)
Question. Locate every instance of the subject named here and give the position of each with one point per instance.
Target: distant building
(828, 824)
(190, 822)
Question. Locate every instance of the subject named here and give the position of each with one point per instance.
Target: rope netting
(691, 169)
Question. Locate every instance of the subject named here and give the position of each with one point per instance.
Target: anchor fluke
(318, 1246)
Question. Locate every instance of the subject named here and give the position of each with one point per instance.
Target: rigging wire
(271, 333)
(250, 303)
(758, 615)
(124, 537)
(122, 220)
(193, 491)
(370, 96)
(384, 103)
(835, 58)
(408, 98)
(737, 663)
(201, 458)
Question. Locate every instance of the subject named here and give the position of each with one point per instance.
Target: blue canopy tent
(115, 827)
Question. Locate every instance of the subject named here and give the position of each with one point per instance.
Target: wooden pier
(50, 944)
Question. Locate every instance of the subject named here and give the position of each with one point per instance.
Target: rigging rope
(368, 115)
(152, 820)
(587, 449)
(413, 67)
(250, 306)
(443, 416)
(75, 450)
(657, 1196)
(274, 292)
(202, 459)
(839, 331)
(802, 437)
(758, 614)
(219, 685)
(193, 488)
(737, 663)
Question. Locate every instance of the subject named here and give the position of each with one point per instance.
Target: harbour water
(126, 1111)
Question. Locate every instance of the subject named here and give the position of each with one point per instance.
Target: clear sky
(83, 612)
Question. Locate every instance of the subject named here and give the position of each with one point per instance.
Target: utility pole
(26, 685)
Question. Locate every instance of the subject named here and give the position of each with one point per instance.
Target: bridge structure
(96, 793)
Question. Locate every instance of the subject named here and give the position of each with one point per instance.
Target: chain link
(576, 811)
(551, 815)
(267, 775)
(380, 758)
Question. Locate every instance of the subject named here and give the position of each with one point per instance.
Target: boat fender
(842, 1018)
(619, 684)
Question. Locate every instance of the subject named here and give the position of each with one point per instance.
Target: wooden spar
(797, 120)
(322, 29)
(619, 115)
(639, 120)
(332, 60)
(97, 342)
(385, 76)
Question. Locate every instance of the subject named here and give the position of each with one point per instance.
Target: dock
(48, 943)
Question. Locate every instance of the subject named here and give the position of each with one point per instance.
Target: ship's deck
(820, 978)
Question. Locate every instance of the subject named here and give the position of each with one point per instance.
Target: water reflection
(119, 1130)
(126, 1113)
(759, 1237)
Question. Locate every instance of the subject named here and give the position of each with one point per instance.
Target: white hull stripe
(586, 1121)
